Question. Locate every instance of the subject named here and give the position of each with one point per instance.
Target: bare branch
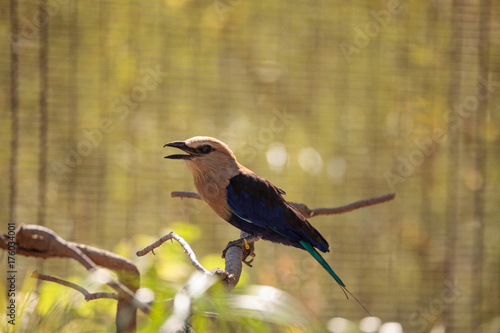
(233, 258)
(233, 261)
(39, 241)
(181, 194)
(42, 242)
(306, 211)
(182, 242)
(87, 295)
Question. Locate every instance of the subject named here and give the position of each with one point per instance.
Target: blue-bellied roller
(248, 201)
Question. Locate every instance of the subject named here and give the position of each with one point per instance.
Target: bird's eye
(206, 149)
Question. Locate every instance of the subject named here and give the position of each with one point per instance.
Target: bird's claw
(248, 251)
(248, 263)
(247, 247)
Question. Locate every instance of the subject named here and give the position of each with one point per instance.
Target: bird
(248, 201)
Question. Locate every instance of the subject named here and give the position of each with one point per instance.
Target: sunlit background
(333, 101)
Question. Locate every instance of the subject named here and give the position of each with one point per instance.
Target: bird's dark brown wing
(256, 200)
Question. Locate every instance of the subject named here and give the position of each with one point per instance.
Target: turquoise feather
(309, 248)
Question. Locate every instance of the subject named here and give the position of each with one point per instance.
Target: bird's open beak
(182, 146)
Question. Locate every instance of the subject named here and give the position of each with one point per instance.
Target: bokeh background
(333, 101)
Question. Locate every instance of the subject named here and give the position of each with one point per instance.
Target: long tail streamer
(309, 248)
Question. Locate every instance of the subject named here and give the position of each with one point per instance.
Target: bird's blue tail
(309, 248)
(312, 251)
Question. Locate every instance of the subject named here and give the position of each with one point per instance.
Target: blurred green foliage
(55, 308)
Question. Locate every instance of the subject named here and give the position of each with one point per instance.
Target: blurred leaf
(190, 232)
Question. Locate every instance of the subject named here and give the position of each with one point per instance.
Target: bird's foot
(248, 251)
(247, 244)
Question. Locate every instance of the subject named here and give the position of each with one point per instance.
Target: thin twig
(342, 209)
(87, 295)
(182, 242)
(189, 195)
(233, 258)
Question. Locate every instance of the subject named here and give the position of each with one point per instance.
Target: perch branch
(233, 259)
(306, 211)
(87, 295)
(234, 264)
(229, 277)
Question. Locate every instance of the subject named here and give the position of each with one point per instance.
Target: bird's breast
(214, 193)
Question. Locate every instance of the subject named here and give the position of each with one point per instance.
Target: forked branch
(183, 243)
(42, 242)
(87, 295)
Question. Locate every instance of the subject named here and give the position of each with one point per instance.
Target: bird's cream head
(205, 155)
